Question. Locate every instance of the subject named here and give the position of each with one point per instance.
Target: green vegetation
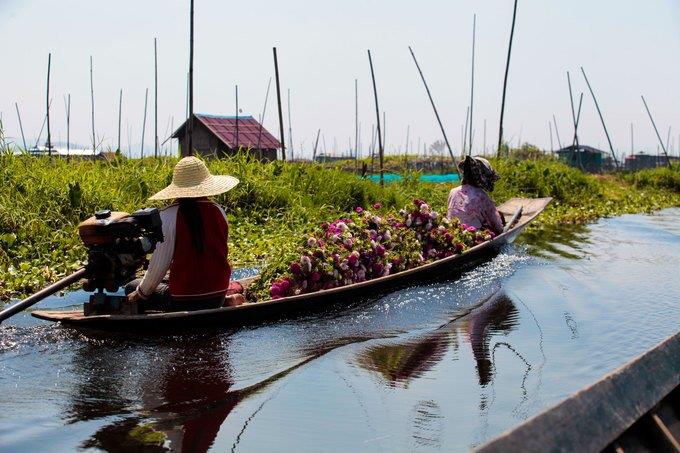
(42, 201)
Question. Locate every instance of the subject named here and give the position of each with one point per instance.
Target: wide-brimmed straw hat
(192, 179)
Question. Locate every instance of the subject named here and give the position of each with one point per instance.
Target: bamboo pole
(472, 83)
(372, 147)
(557, 132)
(632, 142)
(573, 111)
(552, 148)
(42, 128)
(316, 144)
(465, 131)
(264, 110)
(278, 98)
(155, 99)
(47, 103)
(94, 138)
(189, 130)
(21, 127)
(574, 143)
(436, 114)
(599, 112)
(146, 97)
(505, 79)
(120, 110)
(668, 160)
(377, 114)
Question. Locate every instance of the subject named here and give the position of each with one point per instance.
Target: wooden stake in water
(465, 131)
(552, 148)
(316, 144)
(599, 112)
(94, 139)
(120, 110)
(377, 114)
(632, 143)
(146, 97)
(21, 127)
(505, 79)
(41, 129)
(573, 111)
(155, 99)
(557, 132)
(189, 131)
(472, 83)
(47, 103)
(278, 99)
(436, 114)
(668, 160)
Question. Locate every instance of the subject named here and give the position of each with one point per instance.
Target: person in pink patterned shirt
(469, 202)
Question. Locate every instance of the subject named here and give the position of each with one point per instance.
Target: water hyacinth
(365, 246)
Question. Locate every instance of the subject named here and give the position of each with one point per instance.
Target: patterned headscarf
(477, 171)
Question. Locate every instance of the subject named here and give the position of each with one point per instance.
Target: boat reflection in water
(173, 392)
(183, 406)
(402, 363)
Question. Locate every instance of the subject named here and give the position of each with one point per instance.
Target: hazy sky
(627, 48)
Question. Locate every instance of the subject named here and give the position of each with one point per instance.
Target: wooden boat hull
(256, 312)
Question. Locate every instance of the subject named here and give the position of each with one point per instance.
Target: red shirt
(206, 274)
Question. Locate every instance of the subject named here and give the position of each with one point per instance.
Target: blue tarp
(393, 177)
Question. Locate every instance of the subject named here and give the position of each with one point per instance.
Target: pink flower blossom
(377, 206)
(359, 209)
(295, 268)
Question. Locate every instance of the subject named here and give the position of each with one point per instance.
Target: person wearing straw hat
(469, 202)
(194, 250)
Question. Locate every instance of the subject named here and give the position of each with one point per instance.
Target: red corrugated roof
(224, 128)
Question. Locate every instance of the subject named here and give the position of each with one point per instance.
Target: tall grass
(42, 200)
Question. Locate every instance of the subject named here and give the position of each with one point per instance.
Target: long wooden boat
(255, 312)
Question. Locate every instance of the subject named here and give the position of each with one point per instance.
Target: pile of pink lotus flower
(364, 246)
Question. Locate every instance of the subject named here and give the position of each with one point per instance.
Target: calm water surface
(442, 366)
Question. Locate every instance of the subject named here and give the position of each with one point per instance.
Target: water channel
(445, 366)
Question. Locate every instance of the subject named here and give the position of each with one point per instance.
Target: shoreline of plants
(42, 201)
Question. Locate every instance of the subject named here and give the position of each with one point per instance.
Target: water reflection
(178, 389)
(557, 241)
(182, 384)
(400, 363)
